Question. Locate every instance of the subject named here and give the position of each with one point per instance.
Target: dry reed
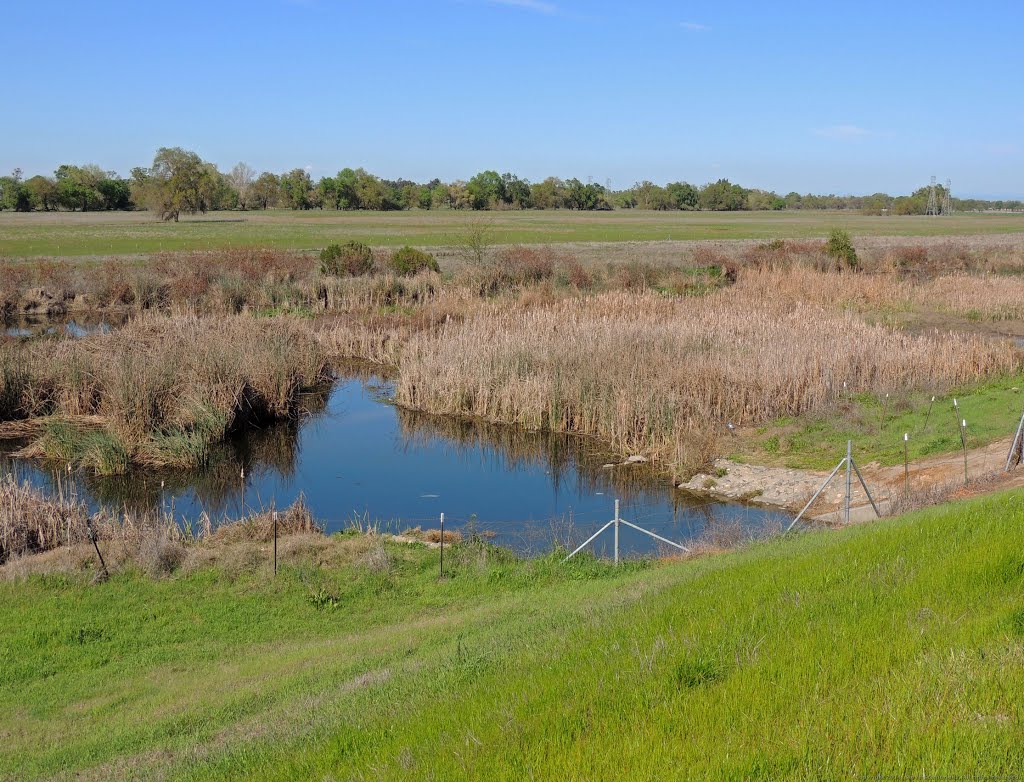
(166, 387)
(33, 522)
(659, 375)
(965, 295)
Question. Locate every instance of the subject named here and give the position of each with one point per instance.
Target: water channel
(356, 459)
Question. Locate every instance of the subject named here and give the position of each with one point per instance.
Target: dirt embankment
(790, 489)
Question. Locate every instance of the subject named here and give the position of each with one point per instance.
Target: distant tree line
(179, 181)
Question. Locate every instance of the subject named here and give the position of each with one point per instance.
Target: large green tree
(266, 191)
(582, 196)
(179, 181)
(14, 195)
(78, 187)
(682, 195)
(43, 192)
(549, 194)
(297, 189)
(723, 196)
(486, 189)
(517, 191)
(651, 196)
(346, 183)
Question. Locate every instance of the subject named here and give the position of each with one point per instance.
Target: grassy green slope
(876, 426)
(892, 649)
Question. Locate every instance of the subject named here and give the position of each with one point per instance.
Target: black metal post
(96, 545)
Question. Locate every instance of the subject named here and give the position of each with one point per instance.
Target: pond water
(355, 458)
(77, 327)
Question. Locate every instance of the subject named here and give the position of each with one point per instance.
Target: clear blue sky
(808, 96)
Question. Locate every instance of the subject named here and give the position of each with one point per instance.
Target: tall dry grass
(983, 297)
(34, 522)
(662, 375)
(163, 388)
(228, 281)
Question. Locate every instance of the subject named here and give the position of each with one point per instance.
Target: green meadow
(876, 424)
(126, 233)
(890, 650)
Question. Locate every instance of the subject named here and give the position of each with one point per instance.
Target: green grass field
(71, 234)
(876, 427)
(890, 650)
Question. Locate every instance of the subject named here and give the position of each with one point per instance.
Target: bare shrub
(577, 275)
(513, 268)
(377, 559)
(905, 258)
(56, 277)
(114, 285)
(724, 535)
(781, 254)
(526, 264)
(708, 256)
(160, 554)
(433, 535)
(295, 520)
(634, 275)
(15, 278)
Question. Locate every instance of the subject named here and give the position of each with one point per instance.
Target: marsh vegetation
(652, 358)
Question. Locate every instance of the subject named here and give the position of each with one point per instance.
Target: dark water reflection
(355, 457)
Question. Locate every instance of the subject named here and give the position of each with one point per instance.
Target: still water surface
(353, 456)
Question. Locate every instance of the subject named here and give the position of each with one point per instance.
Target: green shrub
(351, 259)
(840, 248)
(409, 261)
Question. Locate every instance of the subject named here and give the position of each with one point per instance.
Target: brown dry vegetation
(651, 357)
(223, 282)
(980, 297)
(159, 391)
(660, 375)
(33, 522)
(253, 279)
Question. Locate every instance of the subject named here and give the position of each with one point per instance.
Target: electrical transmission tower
(933, 201)
(947, 200)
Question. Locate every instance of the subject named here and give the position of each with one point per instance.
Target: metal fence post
(615, 524)
(442, 545)
(906, 463)
(963, 442)
(275, 542)
(849, 477)
(1016, 451)
(95, 544)
(616, 532)
(815, 496)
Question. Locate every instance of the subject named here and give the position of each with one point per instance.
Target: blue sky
(807, 96)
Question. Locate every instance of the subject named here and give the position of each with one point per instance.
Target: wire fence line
(653, 530)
